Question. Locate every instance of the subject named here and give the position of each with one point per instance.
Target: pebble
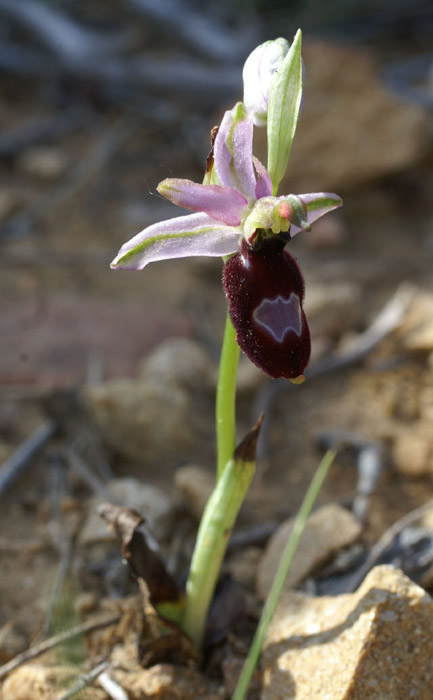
(193, 487)
(328, 529)
(250, 379)
(166, 682)
(412, 450)
(46, 162)
(242, 565)
(165, 415)
(37, 682)
(148, 500)
(333, 308)
(374, 644)
(416, 331)
(149, 422)
(9, 203)
(179, 362)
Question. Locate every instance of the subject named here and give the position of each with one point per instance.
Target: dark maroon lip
(265, 291)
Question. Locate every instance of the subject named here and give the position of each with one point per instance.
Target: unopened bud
(259, 70)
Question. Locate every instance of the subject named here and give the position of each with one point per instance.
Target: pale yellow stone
(166, 682)
(44, 162)
(416, 330)
(375, 644)
(194, 486)
(329, 529)
(38, 682)
(413, 450)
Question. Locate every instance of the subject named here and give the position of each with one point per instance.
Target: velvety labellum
(280, 316)
(265, 291)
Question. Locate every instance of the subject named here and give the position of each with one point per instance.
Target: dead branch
(20, 459)
(71, 43)
(199, 30)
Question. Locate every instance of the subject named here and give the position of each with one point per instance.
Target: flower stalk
(226, 398)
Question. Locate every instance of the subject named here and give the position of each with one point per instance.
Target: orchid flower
(237, 214)
(229, 211)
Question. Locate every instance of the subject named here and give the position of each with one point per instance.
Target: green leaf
(283, 110)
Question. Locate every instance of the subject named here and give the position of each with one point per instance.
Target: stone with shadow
(376, 643)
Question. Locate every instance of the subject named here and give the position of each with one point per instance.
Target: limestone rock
(242, 565)
(9, 203)
(416, 331)
(165, 682)
(328, 529)
(333, 308)
(350, 131)
(376, 643)
(150, 501)
(38, 682)
(150, 421)
(193, 486)
(180, 362)
(46, 162)
(250, 378)
(413, 449)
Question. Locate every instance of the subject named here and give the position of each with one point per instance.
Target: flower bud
(265, 291)
(258, 72)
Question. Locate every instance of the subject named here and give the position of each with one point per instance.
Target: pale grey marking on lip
(279, 316)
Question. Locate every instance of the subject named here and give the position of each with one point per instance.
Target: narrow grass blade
(281, 575)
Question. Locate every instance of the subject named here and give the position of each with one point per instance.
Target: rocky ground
(119, 370)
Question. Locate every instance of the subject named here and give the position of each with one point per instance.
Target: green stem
(281, 575)
(215, 529)
(226, 398)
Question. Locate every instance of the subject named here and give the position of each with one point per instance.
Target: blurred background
(101, 100)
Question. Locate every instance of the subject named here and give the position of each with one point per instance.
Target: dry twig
(85, 679)
(20, 459)
(38, 649)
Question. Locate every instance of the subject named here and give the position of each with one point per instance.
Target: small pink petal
(233, 151)
(221, 203)
(264, 182)
(181, 237)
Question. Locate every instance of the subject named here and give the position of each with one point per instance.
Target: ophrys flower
(237, 214)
